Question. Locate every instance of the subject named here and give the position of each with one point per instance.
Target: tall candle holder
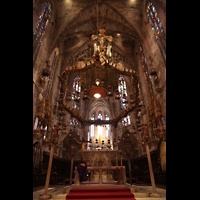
(52, 143)
(146, 141)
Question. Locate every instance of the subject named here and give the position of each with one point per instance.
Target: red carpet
(100, 194)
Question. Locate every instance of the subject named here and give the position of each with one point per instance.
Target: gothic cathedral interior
(99, 88)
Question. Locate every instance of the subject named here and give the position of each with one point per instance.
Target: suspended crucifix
(99, 47)
(102, 44)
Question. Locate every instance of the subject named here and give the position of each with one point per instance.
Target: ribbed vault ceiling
(77, 20)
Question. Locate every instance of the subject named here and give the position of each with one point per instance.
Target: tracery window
(92, 128)
(122, 92)
(73, 121)
(100, 130)
(107, 128)
(36, 123)
(40, 29)
(76, 92)
(75, 98)
(157, 28)
(100, 116)
(126, 120)
(154, 20)
(123, 99)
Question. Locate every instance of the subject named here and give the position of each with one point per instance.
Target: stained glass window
(92, 128)
(40, 29)
(123, 99)
(126, 120)
(100, 129)
(107, 128)
(76, 92)
(100, 116)
(75, 98)
(36, 123)
(73, 121)
(157, 29)
(154, 20)
(122, 92)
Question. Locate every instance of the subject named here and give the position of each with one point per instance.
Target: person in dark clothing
(82, 168)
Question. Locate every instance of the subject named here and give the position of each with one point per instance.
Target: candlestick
(121, 160)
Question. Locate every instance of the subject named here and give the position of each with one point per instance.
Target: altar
(121, 174)
(101, 168)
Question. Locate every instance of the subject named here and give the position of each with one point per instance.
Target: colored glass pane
(153, 17)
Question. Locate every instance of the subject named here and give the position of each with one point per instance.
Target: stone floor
(141, 192)
(147, 190)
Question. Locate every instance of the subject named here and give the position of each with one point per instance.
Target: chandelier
(98, 91)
